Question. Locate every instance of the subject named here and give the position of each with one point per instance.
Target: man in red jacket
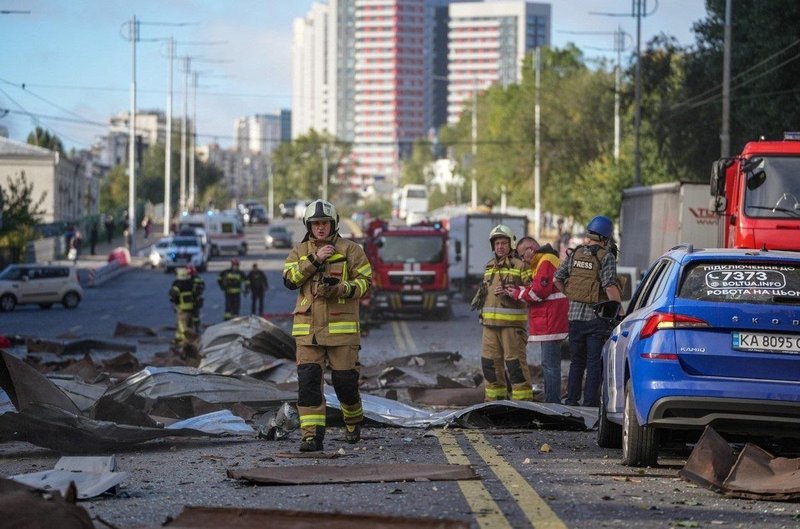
(548, 324)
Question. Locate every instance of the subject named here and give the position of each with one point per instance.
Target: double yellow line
(402, 338)
(485, 509)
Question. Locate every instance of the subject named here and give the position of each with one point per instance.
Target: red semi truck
(409, 269)
(757, 195)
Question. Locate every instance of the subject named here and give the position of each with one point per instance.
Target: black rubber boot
(352, 433)
(311, 444)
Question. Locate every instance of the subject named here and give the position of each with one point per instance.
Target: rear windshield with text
(742, 282)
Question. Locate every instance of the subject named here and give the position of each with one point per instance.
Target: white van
(413, 199)
(225, 232)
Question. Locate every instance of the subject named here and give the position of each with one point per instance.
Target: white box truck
(469, 249)
(225, 232)
(656, 218)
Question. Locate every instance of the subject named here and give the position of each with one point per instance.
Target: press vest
(583, 283)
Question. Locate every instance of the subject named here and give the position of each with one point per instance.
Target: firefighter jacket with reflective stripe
(504, 311)
(548, 307)
(583, 283)
(182, 294)
(327, 308)
(231, 280)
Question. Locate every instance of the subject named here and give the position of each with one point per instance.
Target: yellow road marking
(412, 346)
(485, 510)
(398, 337)
(535, 508)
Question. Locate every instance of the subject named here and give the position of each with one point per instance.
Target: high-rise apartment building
(259, 134)
(487, 43)
(382, 73)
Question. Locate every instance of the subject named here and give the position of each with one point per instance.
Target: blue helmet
(601, 226)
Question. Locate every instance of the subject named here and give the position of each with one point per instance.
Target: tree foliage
(22, 212)
(42, 138)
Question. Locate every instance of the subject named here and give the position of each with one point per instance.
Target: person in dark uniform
(231, 281)
(257, 285)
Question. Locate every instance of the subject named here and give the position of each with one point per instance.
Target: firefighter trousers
(184, 321)
(232, 303)
(311, 363)
(503, 350)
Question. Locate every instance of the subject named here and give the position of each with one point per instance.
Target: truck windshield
(399, 249)
(778, 194)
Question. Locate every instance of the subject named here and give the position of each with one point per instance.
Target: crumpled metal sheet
(363, 473)
(183, 392)
(238, 518)
(217, 422)
(26, 386)
(92, 476)
(24, 506)
(754, 474)
(235, 358)
(496, 414)
(434, 369)
(256, 333)
(50, 427)
(82, 394)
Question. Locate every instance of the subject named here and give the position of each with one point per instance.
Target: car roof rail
(689, 247)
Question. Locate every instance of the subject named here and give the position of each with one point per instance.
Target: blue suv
(712, 337)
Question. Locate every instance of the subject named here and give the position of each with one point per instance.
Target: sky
(66, 65)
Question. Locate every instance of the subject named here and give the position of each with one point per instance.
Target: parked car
(277, 237)
(712, 337)
(158, 252)
(186, 249)
(40, 284)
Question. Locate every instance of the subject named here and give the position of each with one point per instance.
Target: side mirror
(718, 204)
(718, 177)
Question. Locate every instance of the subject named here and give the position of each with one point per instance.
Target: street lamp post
(133, 35)
(168, 153)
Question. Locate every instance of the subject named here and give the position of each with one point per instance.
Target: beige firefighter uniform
(326, 327)
(505, 333)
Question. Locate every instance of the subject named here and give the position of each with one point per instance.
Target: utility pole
(325, 172)
(619, 36)
(537, 225)
(474, 141)
(637, 124)
(193, 141)
(133, 36)
(168, 153)
(725, 136)
(271, 191)
(186, 66)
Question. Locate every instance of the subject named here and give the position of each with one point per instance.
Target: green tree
(416, 169)
(42, 138)
(114, 191)
(21, 213)
(297, 166)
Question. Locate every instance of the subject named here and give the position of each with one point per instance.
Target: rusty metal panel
(318, 474)
(233, 518)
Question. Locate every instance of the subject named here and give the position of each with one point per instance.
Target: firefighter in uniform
(504, 320)
(231, 282)
(199, 287)
(588, 276)
(331, 275)
(181, 295)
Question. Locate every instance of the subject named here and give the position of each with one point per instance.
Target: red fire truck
(409, 269)
(757, 195)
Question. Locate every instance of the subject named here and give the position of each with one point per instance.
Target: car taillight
(668, 320)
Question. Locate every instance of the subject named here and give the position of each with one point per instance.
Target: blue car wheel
(639, 443)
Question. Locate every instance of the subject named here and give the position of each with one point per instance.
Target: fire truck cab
(757, 195)
(409, 269)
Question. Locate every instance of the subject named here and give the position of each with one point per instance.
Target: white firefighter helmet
(321, 210)
(181, 273)
(501, 230)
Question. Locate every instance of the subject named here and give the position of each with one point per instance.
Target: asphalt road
(571, 482)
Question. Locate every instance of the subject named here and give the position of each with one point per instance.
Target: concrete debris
(237, 518)
(24, 506)
(77, 347)
(753, 474)
(363, 473)
(435, 369)
(126, 329)
(92, 476)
